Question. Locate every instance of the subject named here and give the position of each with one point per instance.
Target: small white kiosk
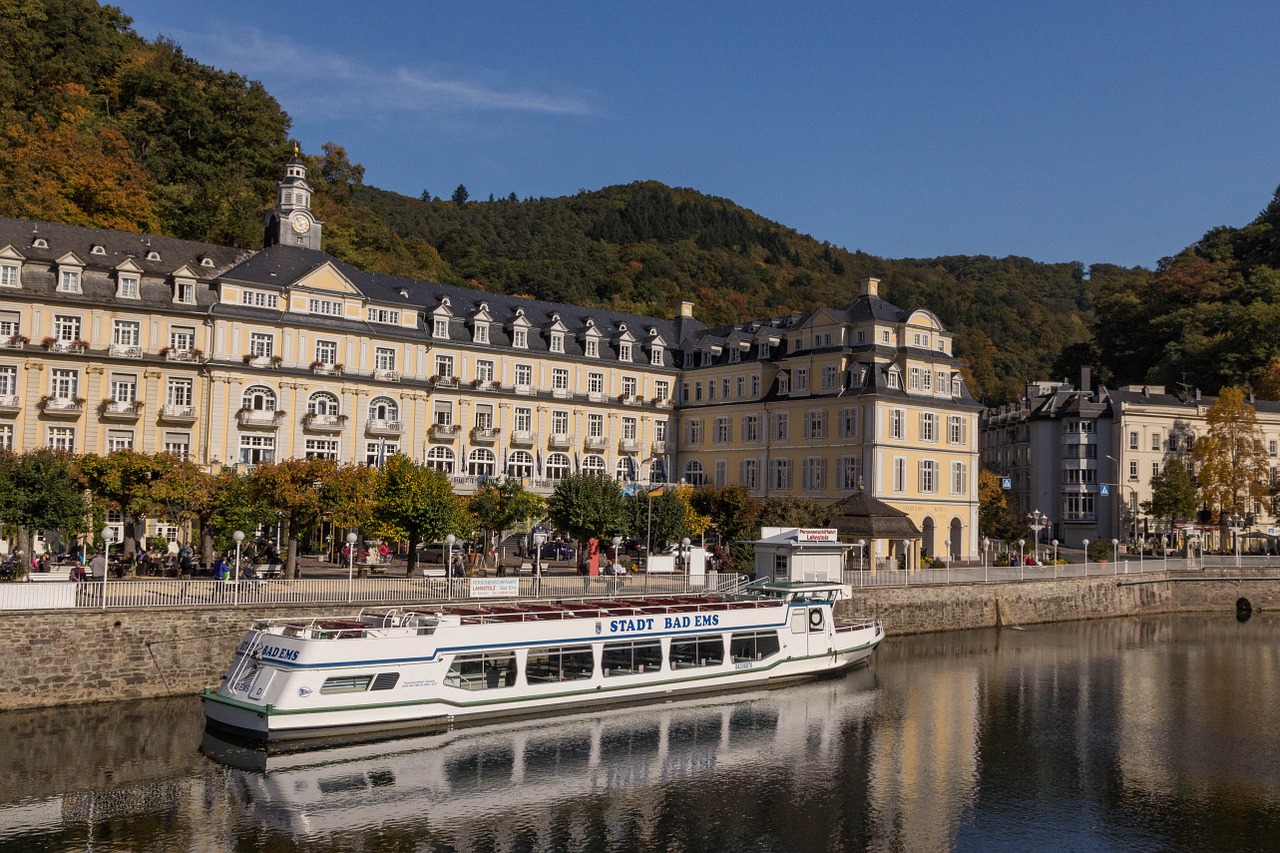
(800, 554)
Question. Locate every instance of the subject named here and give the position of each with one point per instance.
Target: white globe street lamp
(351, 559)
(239, 537)
(108, 535)
(1085, 543)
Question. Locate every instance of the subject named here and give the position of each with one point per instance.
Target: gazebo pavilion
(862, 518)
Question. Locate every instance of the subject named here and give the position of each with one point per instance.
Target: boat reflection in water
(469, 773)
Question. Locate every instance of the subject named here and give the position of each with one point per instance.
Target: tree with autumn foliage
(418, 503)
(121, 481)
(183, 497)
(1232, 466)
(505, 505)
(996, 519)
(293, 489)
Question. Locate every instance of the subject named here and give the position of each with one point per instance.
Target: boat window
(559, 663)
(385, 680)
(485, 671)
(346, 684)
(753, 645)
(631, 657)
(696, 651)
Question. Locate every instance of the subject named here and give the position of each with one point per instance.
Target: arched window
(383, 409)
(557, 466)
(693, 473)
(658, 471)
(322, 403)
(440, 458)
(519, 463)
(482, 463)
(625, 470)
(594, 463)
(259, 398)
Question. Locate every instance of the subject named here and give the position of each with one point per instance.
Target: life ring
(815, 619)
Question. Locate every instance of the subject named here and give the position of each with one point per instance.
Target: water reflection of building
(455, 779)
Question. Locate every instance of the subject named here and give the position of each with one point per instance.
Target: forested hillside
(104, 128)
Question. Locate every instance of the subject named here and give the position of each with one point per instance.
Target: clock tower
(291, 221)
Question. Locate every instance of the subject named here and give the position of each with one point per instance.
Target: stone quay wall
(81, 656)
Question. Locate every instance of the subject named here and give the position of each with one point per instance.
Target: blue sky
(1109, 132)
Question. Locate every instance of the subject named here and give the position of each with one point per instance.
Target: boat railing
(857, 623)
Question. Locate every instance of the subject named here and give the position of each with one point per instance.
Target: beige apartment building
(112, 340)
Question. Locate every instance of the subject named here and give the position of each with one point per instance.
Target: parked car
(558, 550)
(634, 548)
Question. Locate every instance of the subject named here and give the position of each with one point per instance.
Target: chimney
(871, 287)
(686, 309)
(1197, 393)
(1086, 378)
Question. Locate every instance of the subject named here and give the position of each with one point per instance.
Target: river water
(1159, 734)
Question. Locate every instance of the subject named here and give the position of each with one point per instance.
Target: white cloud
(316, 82)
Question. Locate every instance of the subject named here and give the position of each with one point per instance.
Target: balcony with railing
(318, 422)
(125, 351)
(383, 426)
(597, 396)
(595, 442)
(524, 390)
(523, 438)
(13, 342)
(180, 354)
(383, 374)
(444, 432)
(325, 368)
(630, 399)
(441, 381)
(486, 385)
(260, 418)
(120, 410)
(560, 440)
(176, 414)
(10, 404)
(65, 346)
(485, 435)
(663, 403)
(629, 445)
(659, 448)
(561, 393)
(62, 407)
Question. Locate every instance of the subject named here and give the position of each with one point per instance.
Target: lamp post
(239, 537)
(1115, 554)
(1085, 542)
(108, 534)
(617, 545)
(862, 547)
(1022, 562)
(1037, 524)
(1236, 522)
(448, 565)
(539, 537)
(1055, 559)
(351, 561)
(986, 549)
(684, 553)
(946, 561)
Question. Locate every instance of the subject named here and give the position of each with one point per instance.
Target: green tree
(1173, 494)
(794, 512)
(418, 503)
(505, 505)
(292, 489)
(460, 195)
(735, 516)
(183, 496)
(232, 506)
(40, 491)
(1232, 465)
(587, 506)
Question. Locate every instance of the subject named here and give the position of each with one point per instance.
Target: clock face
(300, 223)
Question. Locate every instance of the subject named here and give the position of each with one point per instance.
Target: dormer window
(655, 356)
(69, 281)
(128, 287)
(10, 274)
(481, 334)
(520, 338)
(40, 243)
(184, 292)
(895, 380)
(706, 358)
(206, 262)
(153, 255)
(592, 348)
(735, 355)
(98, 250)
(557, 342)
(624, 352)
(440, 328)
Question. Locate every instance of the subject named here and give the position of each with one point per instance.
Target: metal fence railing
(969, 573)
(186, 592)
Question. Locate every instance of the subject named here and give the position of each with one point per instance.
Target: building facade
(112, 340)
(1084, 459)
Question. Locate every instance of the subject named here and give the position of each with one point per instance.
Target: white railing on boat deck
(178, 592)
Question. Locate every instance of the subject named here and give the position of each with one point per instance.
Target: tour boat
(390, 669)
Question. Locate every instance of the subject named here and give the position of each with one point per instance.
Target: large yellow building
(113, 340)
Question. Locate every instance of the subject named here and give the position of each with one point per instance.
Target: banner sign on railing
(495, 587)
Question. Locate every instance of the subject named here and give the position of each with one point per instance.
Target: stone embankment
(80, 656)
